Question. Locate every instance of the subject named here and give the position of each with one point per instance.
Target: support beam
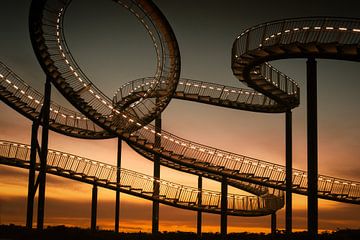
(288, 205)
(94, 207)
(117, 200)
(273, 223)
(155, 209)
(312, 148)
(199, 212)
(43, 154)
(224, 193)
(31, 182)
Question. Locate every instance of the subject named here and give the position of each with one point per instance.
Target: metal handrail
(183, 151)
(34, 99)
(103, 172)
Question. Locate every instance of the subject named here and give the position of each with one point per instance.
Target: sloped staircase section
(137, 184)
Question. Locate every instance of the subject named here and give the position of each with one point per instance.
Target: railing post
(117, 200)
(43, 154)
(94, 207)
(223, 222)
(288, 178)
(312, 146)
(155, 210)
(199, 212)
(31, 182)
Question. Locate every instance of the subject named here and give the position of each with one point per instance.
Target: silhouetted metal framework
(321, 37)
(197, 158)
(104, 175)
(20, 104)
(334, 38)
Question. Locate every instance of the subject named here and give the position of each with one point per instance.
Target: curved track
(27, 101)
(140, 102)
(137, 184)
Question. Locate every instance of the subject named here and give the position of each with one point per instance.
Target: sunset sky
(112, 48)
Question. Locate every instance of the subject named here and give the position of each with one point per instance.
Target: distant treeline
(13, 232)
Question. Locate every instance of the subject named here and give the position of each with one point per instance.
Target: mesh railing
(180, 149)
(246, 167)
(317, 30)
(33, 99)
(64, 66)
(139, 182)
(198, 88)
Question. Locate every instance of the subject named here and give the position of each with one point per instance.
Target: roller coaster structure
(128, 115)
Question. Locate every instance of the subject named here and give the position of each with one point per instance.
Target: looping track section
(317, 37)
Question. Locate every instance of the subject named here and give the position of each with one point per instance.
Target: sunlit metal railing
(142, 184)
(266, 173)
(67, 74)
(256, 189)
(288, 37)
(65, 127)
(49, 40)
(194, 90)
(30, 98)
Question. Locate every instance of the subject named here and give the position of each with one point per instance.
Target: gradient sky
(112, 48)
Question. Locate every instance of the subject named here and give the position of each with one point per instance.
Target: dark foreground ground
(12, 232)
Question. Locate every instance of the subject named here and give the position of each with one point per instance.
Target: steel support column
(199, 212)
(155, 209)
(224, 193)
(117, 200)
(31, 182)
(94, 207)
(312, 148)
(273, 223)
(288, 205)
(43, 154)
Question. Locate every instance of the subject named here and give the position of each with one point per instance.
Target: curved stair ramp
(46, 32)
(138, 184)
(12, 86)
(28, 102)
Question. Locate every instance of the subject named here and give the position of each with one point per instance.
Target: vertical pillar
(312, 148)
(117, 200)
(273, 223)
(94, 207)
(224, 193)
(43, 154)
(288, 180)
(31, 182)
(199, 212)
(155, 209)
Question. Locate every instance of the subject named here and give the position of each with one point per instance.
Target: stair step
(176, 156)
(133, 138)
(147, 192)
(348, 50)
(275, 49)
(310, 48)
(191, 96)
(179, 94)
(259, 53)
(141, 141)
(329, 48)
(204, 98)
(171, 199)
(149, 145)
(167, 153)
